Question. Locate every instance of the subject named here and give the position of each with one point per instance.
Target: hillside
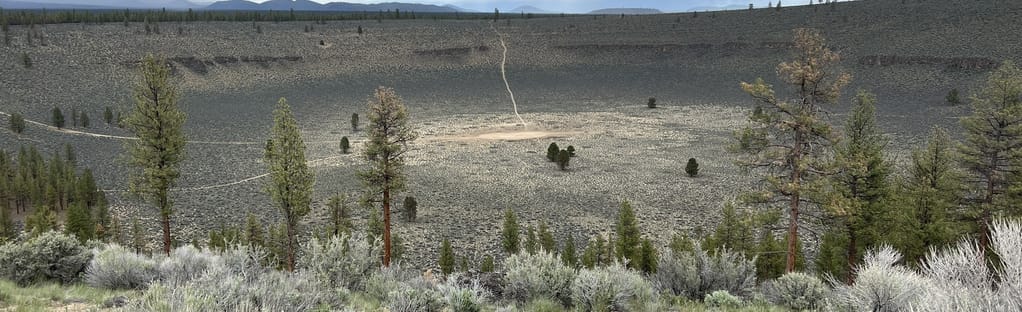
(579, 80)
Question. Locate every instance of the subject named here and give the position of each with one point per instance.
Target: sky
(577, 6)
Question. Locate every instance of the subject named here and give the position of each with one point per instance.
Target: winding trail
(503, 72)
(118, 137)
(312, 164)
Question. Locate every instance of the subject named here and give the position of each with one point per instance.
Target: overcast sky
(579, 6)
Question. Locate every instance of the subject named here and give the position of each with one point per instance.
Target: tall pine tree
(930, 196)
(157, 154)
(291, 181)
(787, 138)
(992, 148)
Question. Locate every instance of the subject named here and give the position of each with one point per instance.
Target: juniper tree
(692, 167)
(991, 149)
(860, 190)
(291, 181)
(509, 235)
(929, 196)
(388, 137)
(787, 138)
(156, 120)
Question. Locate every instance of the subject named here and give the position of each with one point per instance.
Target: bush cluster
(539, 275)
(51, 256)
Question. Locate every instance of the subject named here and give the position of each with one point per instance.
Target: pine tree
(647, 257)
(531, 242)
(769, 257)
(410, 209)
(340, 219)
(735, 232)
(563, 159)
(79, 222)
(990, 152)
(446, 260)
(860, 197)
(354, 121)
(291, 181)
(17, 123)
(254, 235)
(103, 219)
(930, 195)
(42, 220)
(58, 118)
(595, 252)
(568, 254)
(137, 237)
(345, 145)
(509, 235)
(84, 117)
(552, 151)
(546, 239)
(158, 152)
(487, 266)
(388, 137)
(787, 139)
(692, 167)
(629, 237)
(108, 115)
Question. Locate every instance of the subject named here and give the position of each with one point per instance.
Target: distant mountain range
(632, 11)
(719, 8)
(529, 9)
(307, 5)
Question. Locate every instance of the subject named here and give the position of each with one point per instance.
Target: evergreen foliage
(563, 159)
(568, 253)
(17, 123)
(108, 115)
(388, 137)
(952, 97)
(692, 167)
(410, 209)
(509, 239)
(340, 215)
(345, 145)
(629, 240)
(788, 137)
(446, 260)
(651, 103)
(57, 118)
(156, 155)
(552, 151)
(546, 239)
(291, 180)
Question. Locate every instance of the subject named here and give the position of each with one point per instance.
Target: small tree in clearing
(692, 168)
(563, 158)
(509, 235)
(345, 145)
(291, 181)
(354, 122)
(552, 151)
(651, 103)
(58, 118)
(446, 260)
(411, 209)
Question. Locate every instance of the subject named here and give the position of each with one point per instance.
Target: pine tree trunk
(984, 218)
(386, 227)
(792, 235)
(852, 256)
(165, 216)
(290, 247)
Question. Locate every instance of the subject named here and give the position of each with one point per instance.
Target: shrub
(611, 288)
(487, 265)
(692, 167)
(354, 122)
(725, 270)
(415, 295)
(381, 282)
(463, 296)
(571, 150)
(220, 290)
(184, 264)
(342, 261)
(722, 299)
(797, 291)
(57, 118)
(17, 123)
(51, 256)
(882, 286)
(552, 151)
(116, 267)
(952, 97)
(651, 103)
(540, 275)
(677, 274)
(411, 209)
(345, 145)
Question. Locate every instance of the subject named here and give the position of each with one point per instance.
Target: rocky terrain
(579, 80)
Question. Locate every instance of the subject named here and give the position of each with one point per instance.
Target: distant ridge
(97, 4)
(529, 9)
(720, 8)
(307, 5)
(626, 11)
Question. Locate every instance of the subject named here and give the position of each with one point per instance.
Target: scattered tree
(388, 138)
(411, 209)
(952, 97)
(446, 261)
(291, 181)
(651, 103)
(158, 152)
(563, 159)
(345, 145)
(531, 242)
(79, 221)
(354, 121)
(26, 60)
(57, 118)
(787, 137)
(629, 237)
(17, 123)
(692, 167)
(108, 115)
(509, 235)
(568, 254)
(487, 266)
(254, 234)
(647, 260)
(552, 151)
(571, 150)
(340, 219)
(546, 239)
(84, 117)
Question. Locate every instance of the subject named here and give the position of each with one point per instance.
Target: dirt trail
(503, 72)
